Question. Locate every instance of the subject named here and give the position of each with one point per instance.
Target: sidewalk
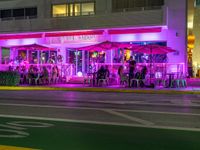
(119, 89)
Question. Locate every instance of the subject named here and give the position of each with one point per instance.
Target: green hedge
(9, 78)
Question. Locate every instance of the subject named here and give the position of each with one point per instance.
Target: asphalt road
(128, 111)
(128, 108)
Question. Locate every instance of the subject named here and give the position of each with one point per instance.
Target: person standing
(132, 65)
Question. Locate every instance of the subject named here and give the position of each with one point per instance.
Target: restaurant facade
(65, 26)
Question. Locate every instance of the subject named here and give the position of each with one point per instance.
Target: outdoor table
(171, 76)
(126, 74)
(90, 77)
(93, 77)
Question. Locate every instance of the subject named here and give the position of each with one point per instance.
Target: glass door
(75, 58)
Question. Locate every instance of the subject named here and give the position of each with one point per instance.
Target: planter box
(9, 78)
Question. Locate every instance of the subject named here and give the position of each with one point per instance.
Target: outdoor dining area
(38, 65)
(130, 74)
(139, 77)
(131, 65)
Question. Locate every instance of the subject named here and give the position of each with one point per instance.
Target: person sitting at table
(31, 72)
(24, 70)
(17, 69)
(101, 74)
(45, 75)
(144, 72)
(107, 72)
(54, 74)
(23, 75)
(36, 71)
(120, 71)
(58, 73)
(143, 76)
(122, 76)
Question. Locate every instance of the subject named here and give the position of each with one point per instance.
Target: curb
(108, 90)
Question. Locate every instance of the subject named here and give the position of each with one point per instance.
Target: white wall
(177, 28)
(103, 18)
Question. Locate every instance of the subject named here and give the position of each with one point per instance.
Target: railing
(64, 69)
(137, 9)
(158, 69)
(74, 14)
(18, 18)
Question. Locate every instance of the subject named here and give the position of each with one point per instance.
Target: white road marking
(30, 124)
(13, 133)
(173, 102)
(11, 127)
(99, 123)
(101, 109)
(179, 103)
(138, 120)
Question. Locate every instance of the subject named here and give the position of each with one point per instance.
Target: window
(5, 55)
(121, 5)
(59, 10)
(87, 8)
(44, 55)
(6, 13)
(197, 3)
(155, 2)
(53, 57)
(22, 54)
(73, 9)
(140, 3)
(31, 12)
(18, 13)
(77, 9)
(33, 56)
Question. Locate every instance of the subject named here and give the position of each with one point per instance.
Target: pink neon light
(135, 31)
(20, 36)
(106, 45)
(99, 32)
(32, 47)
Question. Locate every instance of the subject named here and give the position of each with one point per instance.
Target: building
(194, 35)
(68, 24)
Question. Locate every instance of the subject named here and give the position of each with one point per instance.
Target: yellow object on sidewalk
(2, 147)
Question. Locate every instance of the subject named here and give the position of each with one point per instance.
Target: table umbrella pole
(123, 57)
(150, 62)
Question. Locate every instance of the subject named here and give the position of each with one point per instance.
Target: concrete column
(108, 56)
(27, 55)
(176, 31)
(83, 62)
(76, 63)
(38, 57)
(0, 55)
(13, 54)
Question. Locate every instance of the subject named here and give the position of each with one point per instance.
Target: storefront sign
(73, 39)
